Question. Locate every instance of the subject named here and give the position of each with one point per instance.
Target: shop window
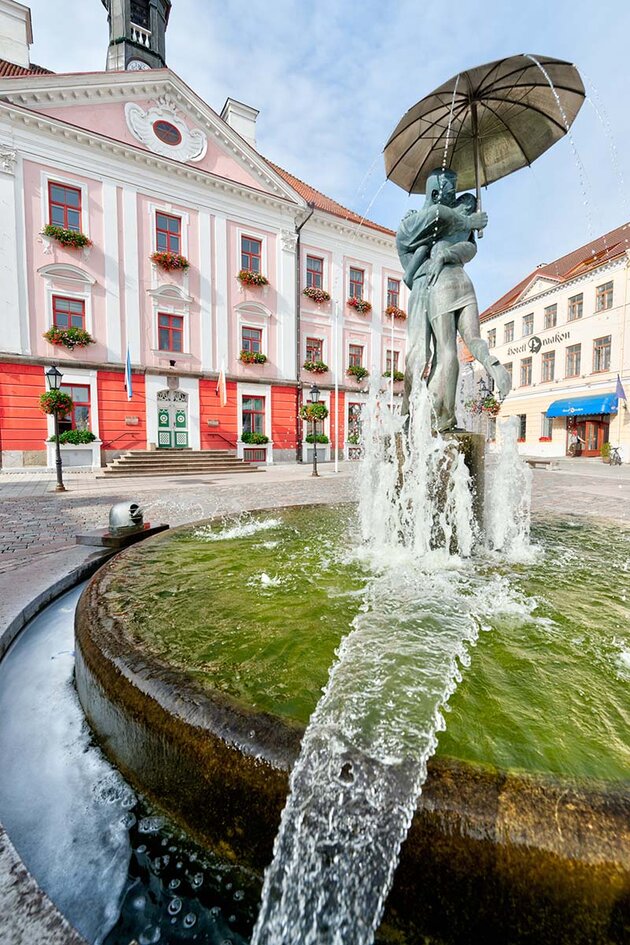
(574, 361)
(79, 416)
(551, 316)
(492, 338)
(253, 415)
(168, 233)
(508, 332)
(251, 254)
(526, 372)
(314, 349)
(509, 368)
(68, 313)
(601, 354)
(170, 332)
(576, 307)
(388, 360)
(357, 279)
(251, 340)
(393, 292)
(548, 366)
(546, 427)
(314, 272)
(528, 324)
(355, 356)
(603, 297)
(522, 426)
(64, 206)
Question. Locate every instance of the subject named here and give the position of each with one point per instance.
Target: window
(574, 360)
(508, 368)
(357, 277)
(251, 254)
(251, 340)
(388, 360)
(314, 272)
(548, 366)
(314, 349)
(551, 316)
(546, 427)
(355, 356)
(79, 416)
(508, 332)
(528, 324)
(68, 313)
(603, 297)
(170, 332)
(168, 233)
(526, 372)
(64, 206)
(393, 292)
(253, 415)
(601, 354)
(492, 338)
(576, 307)
(354, 422)
(522, 426)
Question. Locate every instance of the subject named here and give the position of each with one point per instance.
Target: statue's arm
(414, 262)
(460, 253)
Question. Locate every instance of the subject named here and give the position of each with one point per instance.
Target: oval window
(167, 132)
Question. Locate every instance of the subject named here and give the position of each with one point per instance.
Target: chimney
(16, 33)
(242, 118)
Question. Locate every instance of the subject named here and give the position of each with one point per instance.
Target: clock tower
(137, 33)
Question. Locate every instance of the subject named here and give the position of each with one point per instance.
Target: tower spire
(137, 33)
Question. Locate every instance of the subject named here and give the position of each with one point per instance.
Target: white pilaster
(208, 361)
(132, 285)
(221, 288)
(10, 256)
(377, 320)
(285, 310)
(112, 284)
(338, 293)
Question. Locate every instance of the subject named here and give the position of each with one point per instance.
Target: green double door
(172, 420)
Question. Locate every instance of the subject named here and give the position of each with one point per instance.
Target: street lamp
(53, 379)
(315, 400)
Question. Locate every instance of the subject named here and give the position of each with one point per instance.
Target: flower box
(316, 295)
(544, 439)
(315, 367)
(320, 438)
(257, 439)
(68, 337)
(253, 357)
(362, 306)
(252, 279)
(170, 262)
(357, 372)
(75, 455)
(68, 238)
(398, 375)
(396, 312)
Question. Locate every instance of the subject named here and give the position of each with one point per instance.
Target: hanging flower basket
(170, 262)
(253, 357)
(315, 367)
(68, 337)
(398, 375)
(250, 278)
(362, 306)
(257, 439)
(396, 312)
(68, 238)
(357, 372)
(488, 405)
(56, 402)
(316, 295)
(313, 413)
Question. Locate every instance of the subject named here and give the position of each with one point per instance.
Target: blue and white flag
(128, 381)
(620, 392)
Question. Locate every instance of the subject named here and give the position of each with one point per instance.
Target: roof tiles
(10, 69)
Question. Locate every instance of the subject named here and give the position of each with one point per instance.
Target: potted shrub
(605, 452)
(398, 375)
(253, 357)
(252, 279)
(357, 371)
(313, 413)
(320, 438)
(362, 306)
(56, 402)
(316, 295)
(256, 439)
(74, 437)
(68, 238)
(396, 312)
(68, 337)
(170, 262)
(315, 367)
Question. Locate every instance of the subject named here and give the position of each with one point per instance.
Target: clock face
(135, 64)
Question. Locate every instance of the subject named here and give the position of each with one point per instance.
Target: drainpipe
(298, 334)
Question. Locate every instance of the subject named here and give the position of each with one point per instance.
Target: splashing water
(507, 517)
(363, 761)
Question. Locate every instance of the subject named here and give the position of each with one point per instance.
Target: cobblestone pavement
(35, 522)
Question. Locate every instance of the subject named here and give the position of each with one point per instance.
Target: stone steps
(177, 463)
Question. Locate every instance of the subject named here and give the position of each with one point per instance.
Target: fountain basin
(521, 856)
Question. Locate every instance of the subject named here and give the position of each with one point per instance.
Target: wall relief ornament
(162, 131)
(8, 157)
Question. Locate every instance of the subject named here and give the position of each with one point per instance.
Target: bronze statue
(434, 244)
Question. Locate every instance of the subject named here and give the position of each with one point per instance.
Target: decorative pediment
(536, 286)
(253, 308)
(58, 272)
(162, 129)
(169, 292)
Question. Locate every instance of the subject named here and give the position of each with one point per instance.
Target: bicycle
(615, 458)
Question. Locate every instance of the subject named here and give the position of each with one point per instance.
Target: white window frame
(48, 177)
(85, 378)
(253, 315)
(70, 282)
(154, 209)
(324, 259)
(170, 300)
(253, 233)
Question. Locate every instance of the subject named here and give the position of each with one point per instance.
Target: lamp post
(53, 379)
(315, 400)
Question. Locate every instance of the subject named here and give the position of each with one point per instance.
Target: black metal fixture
(53, 379)
(315, 400)
(172, 363)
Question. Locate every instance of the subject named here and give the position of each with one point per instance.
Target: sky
(332, 78)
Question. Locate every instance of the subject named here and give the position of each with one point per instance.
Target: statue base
(473, 447)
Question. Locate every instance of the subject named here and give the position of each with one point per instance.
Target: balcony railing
(141, 36)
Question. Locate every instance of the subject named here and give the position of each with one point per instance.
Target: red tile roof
(10, 69)
(588, 257)
(322, 202)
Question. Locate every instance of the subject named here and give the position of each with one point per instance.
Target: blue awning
(581, 406)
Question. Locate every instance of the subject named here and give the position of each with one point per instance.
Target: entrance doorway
(593, 433)
(172, 420)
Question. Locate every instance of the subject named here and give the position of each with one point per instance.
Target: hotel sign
(535, 343)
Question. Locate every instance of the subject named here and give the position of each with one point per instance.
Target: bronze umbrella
(486, 122)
